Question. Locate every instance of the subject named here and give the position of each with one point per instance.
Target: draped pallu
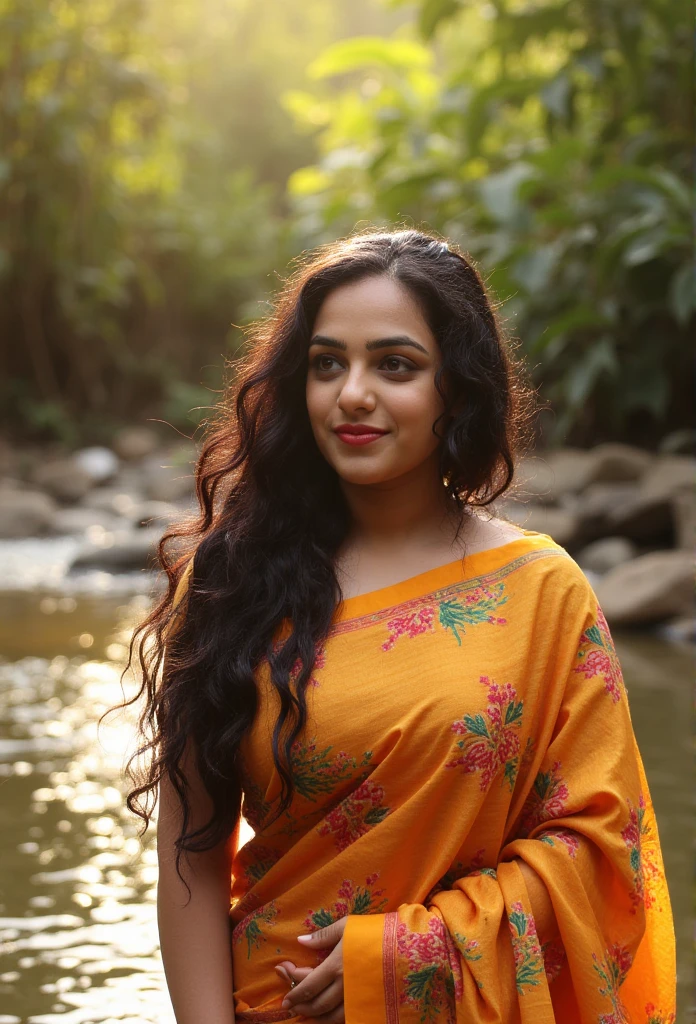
(469, 791)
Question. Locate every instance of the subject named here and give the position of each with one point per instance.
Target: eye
(317, 361)
(406, 364)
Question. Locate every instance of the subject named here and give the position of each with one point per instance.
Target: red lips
(358, 428)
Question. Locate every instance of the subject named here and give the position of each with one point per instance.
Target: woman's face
(372, 363)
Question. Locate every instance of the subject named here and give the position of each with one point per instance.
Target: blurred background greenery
(162, 161)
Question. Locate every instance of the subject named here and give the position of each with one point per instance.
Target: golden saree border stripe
(391, 995)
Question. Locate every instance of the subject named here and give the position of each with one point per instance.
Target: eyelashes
(406, 367)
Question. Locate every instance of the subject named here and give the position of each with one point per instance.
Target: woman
(420, 707)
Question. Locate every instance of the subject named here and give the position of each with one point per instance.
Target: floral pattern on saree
(317, 772)
(529, 960)
(454, 614)
(597, 657)
(432, 977)
(352, 899)
(356, 815)
(250, 927)
(612, 970)
(490, 741)
(546, 800)
(565, 836)
(655, 1016)
(640, 842)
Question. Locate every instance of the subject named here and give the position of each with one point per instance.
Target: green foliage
(551, 141)
(143, 160)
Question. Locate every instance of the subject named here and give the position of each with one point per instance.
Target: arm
(195, 934)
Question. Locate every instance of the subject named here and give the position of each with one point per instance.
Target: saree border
(391, 1001)
(442, 593)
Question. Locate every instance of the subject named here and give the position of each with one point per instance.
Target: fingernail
(285, 1003)
(304, 938)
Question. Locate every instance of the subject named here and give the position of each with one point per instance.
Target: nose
(356, 392)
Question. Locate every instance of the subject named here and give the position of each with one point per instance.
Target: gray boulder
(79, 519)
(618, 463)
(64, 479)
(606, 554)
(122, 551)
(649, 589)
(24, 513)
(134, 443)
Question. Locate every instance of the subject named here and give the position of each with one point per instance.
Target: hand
(320, 993)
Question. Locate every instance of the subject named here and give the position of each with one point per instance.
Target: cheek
(416, 409)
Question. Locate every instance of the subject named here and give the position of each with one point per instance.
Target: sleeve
(574, 923)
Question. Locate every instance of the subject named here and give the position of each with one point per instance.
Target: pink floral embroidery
(491, 741)
(352, 899)
(639, 839)
(319, 663)
(250, 926)
(434, 976)
(561, 835)
(356, 815)
(612, 971)
(529, 962)
(597, 657)
(546, 800)
(317, 771)
(411, 624)
(475, 607)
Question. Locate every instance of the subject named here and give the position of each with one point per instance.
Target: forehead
(372, 307)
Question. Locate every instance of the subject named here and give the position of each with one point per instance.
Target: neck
(412, 507)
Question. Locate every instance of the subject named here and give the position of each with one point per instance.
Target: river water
(78, 938)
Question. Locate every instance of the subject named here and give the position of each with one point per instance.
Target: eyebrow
(396, 339)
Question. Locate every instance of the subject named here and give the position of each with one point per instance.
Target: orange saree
(462, 722)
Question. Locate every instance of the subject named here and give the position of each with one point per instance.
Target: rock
(606, 554)
(64, 479)
(100, 464)
(669, 475)
(559, 523)
(114, 501)
(79, 519)
(650, 515)
(162, 512)
(122, 551)
(684, 515)
(554, 473)
(680, 631)
(133, 443)
(167, 482)
(599, 502)
(649, 589)
(679, 442)
(618, 463)
(24, 513)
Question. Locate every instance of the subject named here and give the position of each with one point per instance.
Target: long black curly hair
(273, 517)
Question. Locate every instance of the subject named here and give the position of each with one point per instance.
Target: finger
(315, 982)
(325, 1003)
(289, 971)
(337, 1016)
(325, 938)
